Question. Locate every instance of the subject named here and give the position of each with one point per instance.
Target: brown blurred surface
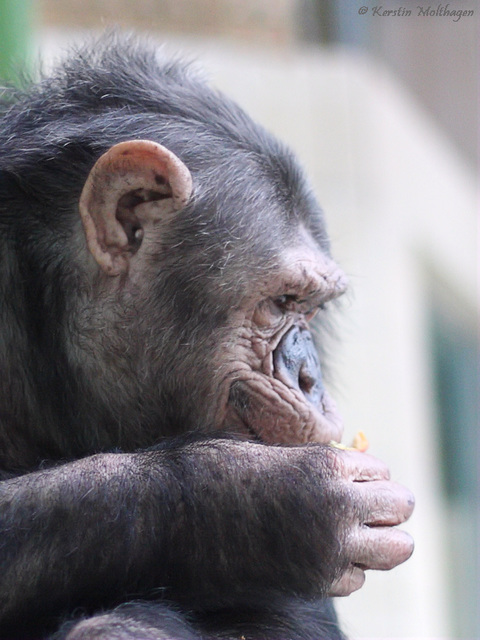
(265, 21)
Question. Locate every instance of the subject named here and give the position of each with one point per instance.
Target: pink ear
(133, 167)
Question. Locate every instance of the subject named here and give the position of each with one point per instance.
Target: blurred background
(380, 102)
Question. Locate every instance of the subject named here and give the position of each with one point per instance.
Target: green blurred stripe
(15, 36)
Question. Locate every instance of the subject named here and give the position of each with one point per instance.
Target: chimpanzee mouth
(278, 414)
(291, 406)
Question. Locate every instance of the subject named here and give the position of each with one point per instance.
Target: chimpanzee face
(243, 288)
(274, 384)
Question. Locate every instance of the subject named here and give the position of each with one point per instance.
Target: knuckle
(399, 549)
(359, 578)
(350, 581)
(410, 499)
(330, 461)
(333, 457)
(409, 545)
(403, 502)
(382, 470)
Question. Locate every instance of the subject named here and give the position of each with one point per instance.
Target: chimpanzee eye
(286, 302)
(289, 302)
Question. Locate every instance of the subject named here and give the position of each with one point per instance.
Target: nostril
(305, 381)
(296, 364)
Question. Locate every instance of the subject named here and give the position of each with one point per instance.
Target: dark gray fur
(234, 553)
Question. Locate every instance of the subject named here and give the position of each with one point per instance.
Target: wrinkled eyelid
(289, 302)
(306, 304)
(332, 291)
(306, 297)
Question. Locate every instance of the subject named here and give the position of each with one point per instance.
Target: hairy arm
(184, 520)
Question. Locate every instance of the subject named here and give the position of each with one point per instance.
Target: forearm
(70, 532)
(256, 520)
(185, 520)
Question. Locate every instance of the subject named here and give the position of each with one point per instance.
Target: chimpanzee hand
(307, 519)
(376, 505)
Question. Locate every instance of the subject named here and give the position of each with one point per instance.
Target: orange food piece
(360, 443)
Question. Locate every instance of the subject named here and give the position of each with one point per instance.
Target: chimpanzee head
(201, 260)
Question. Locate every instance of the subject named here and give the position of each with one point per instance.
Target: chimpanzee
(165, 459)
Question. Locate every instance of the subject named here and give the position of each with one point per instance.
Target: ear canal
(119, 175)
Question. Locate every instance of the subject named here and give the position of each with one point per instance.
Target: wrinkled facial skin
(274, 384)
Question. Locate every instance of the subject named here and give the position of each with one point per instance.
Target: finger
(350, 581)
(383, 503)
(381, 548)
(362, 467)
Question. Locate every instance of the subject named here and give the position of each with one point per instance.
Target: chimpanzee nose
(296, 363)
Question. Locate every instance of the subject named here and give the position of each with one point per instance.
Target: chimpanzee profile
(164, 429)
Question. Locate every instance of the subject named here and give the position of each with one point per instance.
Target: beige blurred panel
(266, 21)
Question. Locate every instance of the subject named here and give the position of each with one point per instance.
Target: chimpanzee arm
(184, 520)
